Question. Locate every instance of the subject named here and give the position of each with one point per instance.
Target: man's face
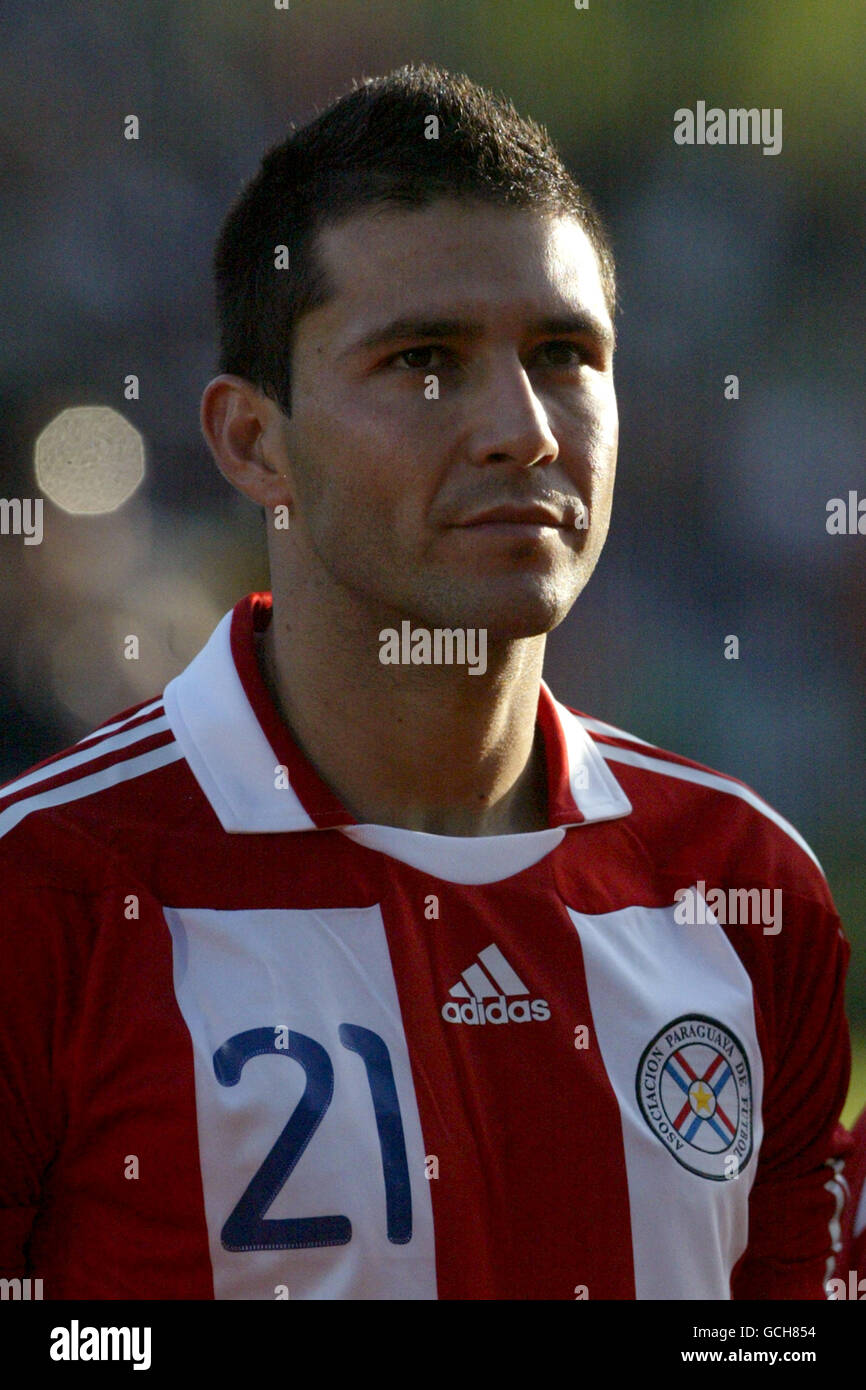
(463, 364)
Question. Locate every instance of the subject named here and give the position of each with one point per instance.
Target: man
(358, 967)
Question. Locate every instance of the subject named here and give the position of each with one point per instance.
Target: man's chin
(514, 628)
(510, 614)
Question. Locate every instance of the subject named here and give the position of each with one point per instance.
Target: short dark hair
(370, 148)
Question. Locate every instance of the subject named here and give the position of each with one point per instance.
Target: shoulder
(692, 815)
(74, 804)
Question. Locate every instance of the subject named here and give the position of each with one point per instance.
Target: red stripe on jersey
(522, 1202)
(129, 1093)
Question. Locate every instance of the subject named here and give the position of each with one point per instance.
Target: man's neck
(428, 748)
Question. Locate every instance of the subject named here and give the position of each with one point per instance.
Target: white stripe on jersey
(86, 755)
(86, 786)
(598, 726)
(643, 972)
(302, 977)
(839, 1190)
(706, 779)
(120, 723)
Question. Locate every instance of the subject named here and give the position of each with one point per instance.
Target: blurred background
(730, 262)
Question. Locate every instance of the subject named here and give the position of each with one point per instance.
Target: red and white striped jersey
(252, 1049)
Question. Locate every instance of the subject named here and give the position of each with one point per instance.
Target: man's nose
(509, 421)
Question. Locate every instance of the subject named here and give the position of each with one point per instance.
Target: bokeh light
(89, 460)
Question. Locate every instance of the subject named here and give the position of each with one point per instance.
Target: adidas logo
(497, 982)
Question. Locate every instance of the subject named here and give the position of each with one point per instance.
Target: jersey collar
(258, 781)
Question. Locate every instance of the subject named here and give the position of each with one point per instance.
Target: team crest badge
(694, 1088)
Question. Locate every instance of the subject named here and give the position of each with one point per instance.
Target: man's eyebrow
(580, 323)
(410, 326)
(398, 330)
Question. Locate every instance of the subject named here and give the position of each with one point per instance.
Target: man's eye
(419, 357)
(563, 354)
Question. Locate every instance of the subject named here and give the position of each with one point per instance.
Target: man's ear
(245, 432)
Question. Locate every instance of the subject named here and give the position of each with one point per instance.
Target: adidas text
(497, 1011)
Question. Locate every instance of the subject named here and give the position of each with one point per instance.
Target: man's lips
(533, 515)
